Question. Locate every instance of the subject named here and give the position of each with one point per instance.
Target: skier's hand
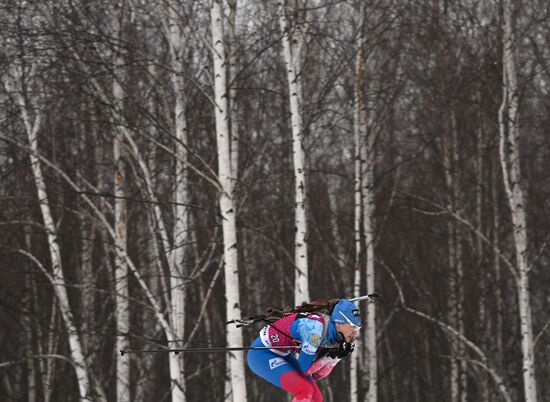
(344, 349)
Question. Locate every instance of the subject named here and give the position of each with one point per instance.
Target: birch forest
(169, 165)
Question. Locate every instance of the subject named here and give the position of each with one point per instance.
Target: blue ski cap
(346, 312)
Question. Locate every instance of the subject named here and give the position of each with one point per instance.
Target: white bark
(292, 45)
(358, 129)
(234, 141)
(32, 128)
(227, 205)
(47, 367)
(356, 358)
(89, 340)
(122, 311)
(120, 248)
(368, 225)
(156, 216)
(497, 332)
(181, 219)
(88, 292)
(122, 307)
(455, 302)
(233, 90)
(510, 163)
(367, 156)
(26, 323)
(156, 211)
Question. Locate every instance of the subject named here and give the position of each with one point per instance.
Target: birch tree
(455, 257)
(293, 43)
(425, 81)
(122, 128)
(232, 101)
(359, 137)
(368, 227)
(366, 153)
(510, 161)
(227, 204)
(120, 212)
(32, 117)
(181, 198)
(27, 325)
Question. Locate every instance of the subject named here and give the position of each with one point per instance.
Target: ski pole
(213, 349)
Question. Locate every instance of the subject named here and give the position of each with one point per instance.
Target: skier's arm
(319, 364)
(310, 333)
(324, 364)
(326, 369)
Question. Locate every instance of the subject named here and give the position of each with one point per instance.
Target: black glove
(344, 349)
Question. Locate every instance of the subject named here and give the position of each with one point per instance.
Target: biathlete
(320, 342)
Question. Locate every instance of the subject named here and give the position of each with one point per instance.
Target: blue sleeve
(309, 332)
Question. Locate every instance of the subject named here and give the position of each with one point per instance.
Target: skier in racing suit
(320, 341)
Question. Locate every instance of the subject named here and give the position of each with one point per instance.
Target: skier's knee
(298, 386)
(304, 394)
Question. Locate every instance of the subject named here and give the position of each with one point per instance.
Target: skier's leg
(317, 395)
(280, 372)
(297, 385)
(267, 364)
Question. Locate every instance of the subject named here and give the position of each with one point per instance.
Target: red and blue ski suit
(280, 367)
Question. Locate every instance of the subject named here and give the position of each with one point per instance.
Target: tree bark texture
(227, 205)
(511, 172)
(292, 47)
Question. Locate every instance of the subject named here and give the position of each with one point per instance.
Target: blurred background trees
(118, 239)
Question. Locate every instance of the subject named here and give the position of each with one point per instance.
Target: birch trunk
(227, 205)
(26, 324)
(144, 389)
(455, 302)
(88, 284)
(357, 361)
(120, 248)
(292, 44)
(181, 219)
(121, 275)
(497, 333)
(368, 227)
(367, 156)
(484, 318)
(510, 163)
(60, 289)
(358, 129)
(88, 327)
(233, 48)
(173, 327)
(47, 365)
(175, 280)
(122, 311)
